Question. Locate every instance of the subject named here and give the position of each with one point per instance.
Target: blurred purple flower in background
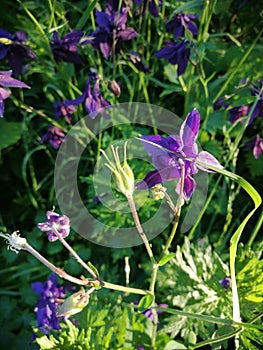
(169, 152)
(13, 48)
(258, 92)
(56, 223)
(238, 112)
(256, 145)
(66, 49)
(136, 60)
(111, 31)
(49, 292)
(225, 282)
(180, 23)
(7, 81)
(54, 136)
(176, 53)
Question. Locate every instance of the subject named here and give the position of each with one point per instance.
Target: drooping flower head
(56, 224)
(180, 23)
(176, 53)
(54, 136)
(111, 31)
(6, 81)
(49, 293)
(66, 49)
(256, 145)
(14, 48)
(169, 152)
(137, 61)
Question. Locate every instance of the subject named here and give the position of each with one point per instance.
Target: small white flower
(15, 242)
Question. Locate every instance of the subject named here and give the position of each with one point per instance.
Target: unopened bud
(73, 304)
(158, 191)
(115, 87)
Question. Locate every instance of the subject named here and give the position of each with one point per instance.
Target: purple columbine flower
(49, 293)
(54, 136)
(169, 152)
(14, 48)
(66, 49)
(65, 109)
(180, 23)
(256, 145)
(238, 112)
(7, 81)
(111, 31)
(56, 223)
(94, 102)
(176, 53)
(225, 282)
(258, 92)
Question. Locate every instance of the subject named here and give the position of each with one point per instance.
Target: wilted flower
(54, 136)
(7, 81)
(65, 49)
(238, 112)
(74, 304)
(115, 87)
(49, 293)
(56, 224)
(256, 145)
(13, 47)
(225, 282)
(180, 23)
(111, 31)
(176, 53)
(171, 152)
(258, 92)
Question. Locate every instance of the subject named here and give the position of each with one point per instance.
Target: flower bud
(158, 191)
(115, 87)
(73, 304)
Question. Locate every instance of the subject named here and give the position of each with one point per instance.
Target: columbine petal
(208, 159)
(190, 128)
(189, 187)
(152, 178)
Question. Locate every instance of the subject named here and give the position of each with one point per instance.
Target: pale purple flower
(14, 48)
(7, 81)
(56, 223)
(65, 109)
(180, 23)
(54, 136)
(176, 53)
(111, 31)
(256, 145)
(49, 293)
(169, 152)
(225, 282)
(66, 49)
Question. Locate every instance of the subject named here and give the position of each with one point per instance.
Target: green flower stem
(140, 229)
(76, 256)
(123, 288)
(177, 214)
(255, 230)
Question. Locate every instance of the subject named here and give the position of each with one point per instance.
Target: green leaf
(10, 133)
(93, 268)
(145, 302)
(166, 258)
(172, 345)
